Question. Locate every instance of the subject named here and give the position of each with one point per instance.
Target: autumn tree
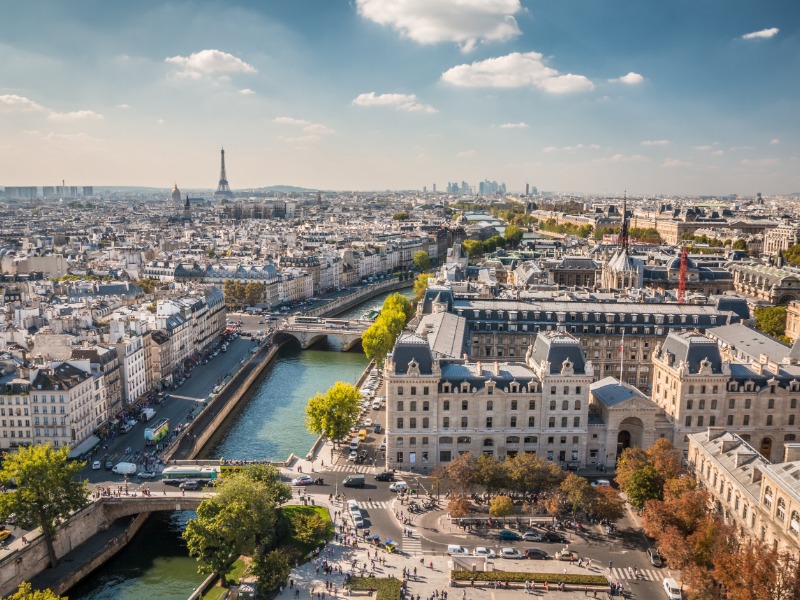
(607, 504)
(333, 413)
(421, 284)
(377, 341)
(459, 506)
(473, 248)
(491, 473)
(513, 235)
(577, 492)
(533, 474)
(771, 320)
(631, 460)
(755, 572)
(501, 507)
(461, 472)
(421, 260)
(665, 458)
(43, 489)
(254, 292)
(26, 592)
(308, 527)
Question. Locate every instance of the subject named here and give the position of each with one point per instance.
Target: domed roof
(176, 194)
(675, 264)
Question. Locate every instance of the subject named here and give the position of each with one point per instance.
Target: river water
(270, 425)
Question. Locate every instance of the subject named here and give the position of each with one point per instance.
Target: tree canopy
(26, 592)
(47, 489)
(420, 285)
(513, 235)
(333, 413)
(421, 260)
(771, 320)
(379, 338)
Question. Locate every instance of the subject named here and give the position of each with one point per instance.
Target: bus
(337, 323)
(182, 473)
(306, 319)
(153, 435)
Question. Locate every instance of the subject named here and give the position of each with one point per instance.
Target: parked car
(533, 536)
(510, 553)
(566, 555)
(4, 535)
(509, 535)
(96, 465)
(353, 456)
(109, 464)
(483, 551)
(456, 550)
(385, 476)
(303, 480)
(655, 558)
(368, 423)
(190, 484)
(377, 428)
(11, 519)
(555, 538)
(601, 483)
(536, 553)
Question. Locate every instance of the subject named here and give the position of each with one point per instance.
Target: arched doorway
(766, 448)
(629, 433)
(623, 441)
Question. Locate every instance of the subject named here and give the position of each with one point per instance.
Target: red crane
(683, 275)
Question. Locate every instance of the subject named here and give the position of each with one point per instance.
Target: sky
(690, 97)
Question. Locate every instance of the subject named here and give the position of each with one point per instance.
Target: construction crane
(683, 275)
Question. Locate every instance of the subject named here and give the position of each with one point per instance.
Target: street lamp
(126, 485)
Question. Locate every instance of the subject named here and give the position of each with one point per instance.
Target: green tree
(420, 285)
(607, 503)
(400, 216)
(333, 413)
(307, 528)
(513, 235)
(46, 489)
(473, 247)
(771, 320)
(792, 255)
(398, 302)
(740, 244)
(239, 292)
(491, 473)
(254, 292)
(376, 341)
(533, 474)
(644, 484)
(271, 569)
(631, 460)
(577, 492)
(25, 592)
(421, 260)
(229, 291)
(501, 507)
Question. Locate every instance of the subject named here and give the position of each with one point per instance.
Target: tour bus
(182, 473)
(153, 435)
(306, 319)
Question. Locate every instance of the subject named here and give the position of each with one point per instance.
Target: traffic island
(387, 588)
(571, 581)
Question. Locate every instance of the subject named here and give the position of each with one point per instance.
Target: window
(513, 405)
(399, 457)
(446, 405)
(531, 439)
(412, 441)
(689, 404)
(512, 439)
(793, 403)
(464, 422)
(488, 443)
(577, 404)
(700, 421)
(702, 405)
(712, 420)
(747, 403)
(531, 421)
(563, 439)
(794, 523)
(412, 423)
(771, 403)
(688, 421)
(769, 420)
(413, 390)
(399, 406)
(413, 406)
(553, 391)
(446, 440)
(746, 420)
(488, 422)
(489, 405)
(426, 405)
(563, 422)
(551, 422)
(732, 403)
(781, 510)
(691, 389)
(566, 390)
(400, 422)
(578, 389)
(446, 422)
(464, 405)
(444, 456)
(565, 405)
(552, 404)
(399, 390)
(791, 419)
(531, 404)
(513, 422)
(576, 422)
(426, 391)
(713, 405)
(464, 440)
(425, 423)
(768, 497)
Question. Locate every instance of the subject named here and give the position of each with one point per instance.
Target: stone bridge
(117, 507)
(308, 332)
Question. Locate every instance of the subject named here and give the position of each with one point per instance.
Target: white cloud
(516, 70)
(14, 103)
(675, 163)
(160, 121)
(550, 149)
(246, 92)
(761, 34)
(465, 22)
(654, 143)
(63, 138)
(704, 148)
(520, 125)
(208, 62)
(77, 115)
(407, 102)
(759, 162)
(627, 158)
(314, 131)
(123, 105)
(629, 79)
(774, 141)
(466, 154)
(718, 152)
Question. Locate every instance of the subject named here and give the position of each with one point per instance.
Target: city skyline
(375, 94)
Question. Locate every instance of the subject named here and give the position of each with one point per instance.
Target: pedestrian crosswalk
(411, 545)
(624, 574)
(351, 468)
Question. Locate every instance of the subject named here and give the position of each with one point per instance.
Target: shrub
(388, 588)
(569, 579)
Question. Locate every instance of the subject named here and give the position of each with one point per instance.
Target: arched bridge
(117, 507)
(310, 330)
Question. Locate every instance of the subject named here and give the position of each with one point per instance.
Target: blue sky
(596, 96)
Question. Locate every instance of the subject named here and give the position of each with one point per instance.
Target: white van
(672, 589)
(456, 550)
(354, 443)
(125, 468)
(357, 518)
(398, 486)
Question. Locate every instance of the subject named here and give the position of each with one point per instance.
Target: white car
(483, 551)
(511, 553)
(368, 423)
(533, 536)
(96, 465)
(601, 483)
(456, 550)
(376, 405)
(353, 456)
(383, 445)
(398, 486)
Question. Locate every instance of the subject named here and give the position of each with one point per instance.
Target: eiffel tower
(222, 188)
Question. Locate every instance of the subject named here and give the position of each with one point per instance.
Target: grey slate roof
(412, 347)
(556, 347)
(693, 348)
(749, 341)
(611, 392)
(445, 334)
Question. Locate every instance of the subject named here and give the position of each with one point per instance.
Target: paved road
(181, 402)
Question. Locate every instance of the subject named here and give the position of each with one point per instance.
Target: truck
(124, 468)
(153, 435)
(148, 413)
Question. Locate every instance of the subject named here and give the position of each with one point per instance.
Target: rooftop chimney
(791, 452)
(715, 432)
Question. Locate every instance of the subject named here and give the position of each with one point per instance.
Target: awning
(84, 446)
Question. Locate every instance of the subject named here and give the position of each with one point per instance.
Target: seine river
(270, 425)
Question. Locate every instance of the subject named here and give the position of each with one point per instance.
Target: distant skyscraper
(434, 188)
(527, 189)
(222, 188)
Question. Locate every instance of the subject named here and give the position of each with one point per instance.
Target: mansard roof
(556, 347)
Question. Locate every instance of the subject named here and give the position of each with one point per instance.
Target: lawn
(291, 512)
(388, 588)
(216, 592)
(551, 578)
